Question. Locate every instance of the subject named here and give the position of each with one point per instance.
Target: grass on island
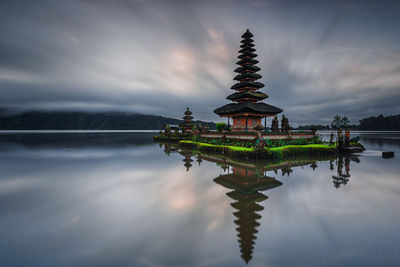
(276, 152)
(323, 146)
(298, 150)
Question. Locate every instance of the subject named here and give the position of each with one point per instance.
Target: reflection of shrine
(199, 160)
(342, 177)
(187, 154)
(187, 158)
(246, 185)
(169, 147)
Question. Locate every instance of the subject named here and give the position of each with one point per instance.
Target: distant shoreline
(9, 132)
(4, 132)
(359, 131)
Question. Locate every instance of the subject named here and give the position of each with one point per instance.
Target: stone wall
(245, 136)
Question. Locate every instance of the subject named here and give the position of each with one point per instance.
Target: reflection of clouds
(218, 208)
(105, 210)
(181, 191)
(78, 153)
(348, 256)
(132, 209)
(177, 191)
(351, 220)
(16, 184)
(332, 210)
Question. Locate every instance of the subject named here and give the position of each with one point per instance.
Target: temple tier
(247, 111)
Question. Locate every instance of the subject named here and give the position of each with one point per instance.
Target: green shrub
(221, 126)
(258, 128)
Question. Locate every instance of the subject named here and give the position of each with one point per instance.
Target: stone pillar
(265, 124)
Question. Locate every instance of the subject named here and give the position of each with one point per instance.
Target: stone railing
(252, 136)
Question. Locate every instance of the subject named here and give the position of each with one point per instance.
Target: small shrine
(187, 124)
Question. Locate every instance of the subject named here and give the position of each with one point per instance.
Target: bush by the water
(221, 126)
(299, 141)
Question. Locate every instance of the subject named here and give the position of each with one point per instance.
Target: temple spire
(247, 110)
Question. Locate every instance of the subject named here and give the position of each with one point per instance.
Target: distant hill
(40, 120)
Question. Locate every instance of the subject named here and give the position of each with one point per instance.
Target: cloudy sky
(317, 58)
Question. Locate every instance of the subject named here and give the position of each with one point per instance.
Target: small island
(247, 138)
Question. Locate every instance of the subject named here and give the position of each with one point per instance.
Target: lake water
(122, 200)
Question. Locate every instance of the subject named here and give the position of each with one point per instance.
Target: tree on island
(285, 127)
(339, 123)
(275, 124)
(345, 122)
(221, 126)
(167, 130)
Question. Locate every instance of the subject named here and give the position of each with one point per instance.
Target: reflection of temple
(247, 185)
(247, 180)
(342, 178)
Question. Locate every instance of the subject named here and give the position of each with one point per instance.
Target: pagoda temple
(187, 124)
(246, 185)
(247, 109)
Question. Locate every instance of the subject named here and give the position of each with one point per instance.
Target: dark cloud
(318, 58)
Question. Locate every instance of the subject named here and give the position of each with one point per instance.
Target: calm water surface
(114, 200)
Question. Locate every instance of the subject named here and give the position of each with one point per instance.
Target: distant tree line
(40, 120)
(314, 126)
(36, 120)
(380, 123)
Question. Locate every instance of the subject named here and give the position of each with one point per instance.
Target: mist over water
(123, 200)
